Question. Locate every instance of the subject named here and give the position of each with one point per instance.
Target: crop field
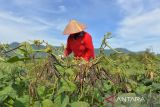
(30, 79)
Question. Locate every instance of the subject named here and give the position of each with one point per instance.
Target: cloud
(57, 10)
(10, 17)
(34, 7)
(22, 20)
(16, 28)
(139, 28)
(131, 7)
(57, 24)
(33, 2)
(144, 25)
(23, 2)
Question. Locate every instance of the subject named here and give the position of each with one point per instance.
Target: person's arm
(89, 47)
(68, 50)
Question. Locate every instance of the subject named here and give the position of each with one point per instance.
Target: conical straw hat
(73, 27)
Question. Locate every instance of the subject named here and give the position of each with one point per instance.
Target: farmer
(79, 42)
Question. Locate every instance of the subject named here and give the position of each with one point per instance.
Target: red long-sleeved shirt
(81, 47)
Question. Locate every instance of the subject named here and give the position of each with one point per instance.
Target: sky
(135, 24)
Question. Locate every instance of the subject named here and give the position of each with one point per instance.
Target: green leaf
(66, 85)
(16, 58)
(41, 90)
(37, 104)
(57, 101)
(13, 59)
(8, 91)
(69, 71)
(147, 82)
(27, 47)
(47, 103)
(141, 89)
(65, 101)
(107, 87)
(61, 101)
(2, 98)
(80, 104)
(22, 100)
(156, 86)
(1, 59)
(18, 103)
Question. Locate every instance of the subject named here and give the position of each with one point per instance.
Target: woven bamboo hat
(74, 27)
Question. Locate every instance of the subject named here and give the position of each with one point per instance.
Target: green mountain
(107, 51)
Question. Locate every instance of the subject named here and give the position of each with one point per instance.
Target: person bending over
(79, 41)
